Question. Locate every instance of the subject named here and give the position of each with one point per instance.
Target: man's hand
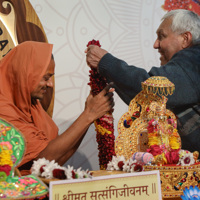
(97, 106)
(94, 55)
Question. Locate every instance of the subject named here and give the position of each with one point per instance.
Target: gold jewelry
(158, 85)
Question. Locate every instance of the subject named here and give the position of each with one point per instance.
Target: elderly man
(178, 38)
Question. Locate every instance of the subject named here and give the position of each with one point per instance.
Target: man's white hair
(183, 21)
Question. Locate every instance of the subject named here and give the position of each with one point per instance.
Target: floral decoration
(120, 164)
(186, 158)
(50, 170)
(104, 126)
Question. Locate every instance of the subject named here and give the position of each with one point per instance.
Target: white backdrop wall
(126, 28)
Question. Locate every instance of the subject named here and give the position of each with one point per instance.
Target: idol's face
(168, 43)
(46, 81)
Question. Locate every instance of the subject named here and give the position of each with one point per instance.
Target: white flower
(79, 172)
(116, 163)
(49, 168)
(68, 172)
(119, 163)
(183, 152)
(120, 160)
(127, 165)
(186, 160)
(110, 166)
(87, 174)
(37, 164)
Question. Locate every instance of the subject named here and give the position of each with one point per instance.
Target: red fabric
(172, 156)
(20, 72)
(155, 150)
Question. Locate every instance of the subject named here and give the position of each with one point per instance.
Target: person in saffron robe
(25, 74)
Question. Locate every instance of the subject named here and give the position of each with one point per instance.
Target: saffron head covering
(20, 72)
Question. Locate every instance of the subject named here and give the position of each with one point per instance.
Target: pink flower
(7, 144)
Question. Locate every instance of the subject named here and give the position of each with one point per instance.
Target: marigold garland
(104, 125)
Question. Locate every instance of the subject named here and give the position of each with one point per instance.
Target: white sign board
(138, 186)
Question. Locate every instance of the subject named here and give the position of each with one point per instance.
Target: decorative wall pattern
(126, 28)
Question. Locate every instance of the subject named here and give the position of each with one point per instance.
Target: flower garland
(136, 163)
(50, 169)
(120, 164)
(104, 125)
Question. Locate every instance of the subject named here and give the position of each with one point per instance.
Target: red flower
(59, 173)
(120, 165)
(155, 150)
(42, 168)
(6, 169)
(138, 168)
(94, 42)
(73, 174)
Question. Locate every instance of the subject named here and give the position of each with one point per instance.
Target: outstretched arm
(61, 148)
(127, 79)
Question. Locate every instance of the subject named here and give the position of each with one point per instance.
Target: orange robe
(20, 72)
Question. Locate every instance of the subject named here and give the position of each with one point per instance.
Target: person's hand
(93, 55)
(97, 106)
